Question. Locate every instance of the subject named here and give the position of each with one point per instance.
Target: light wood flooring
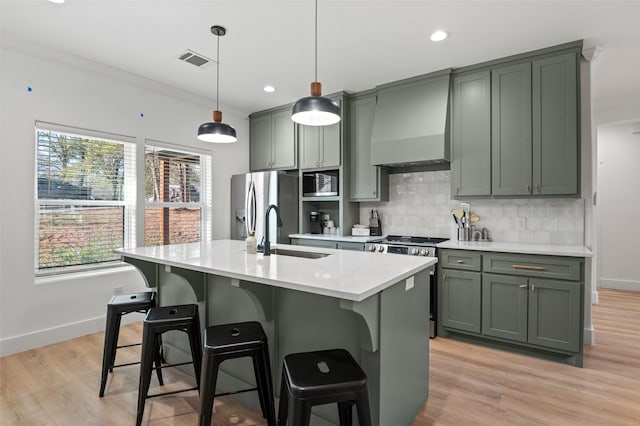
(469, 385)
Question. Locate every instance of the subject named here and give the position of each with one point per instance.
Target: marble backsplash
(419, 204)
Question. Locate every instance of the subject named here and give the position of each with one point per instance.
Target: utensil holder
(463, 234)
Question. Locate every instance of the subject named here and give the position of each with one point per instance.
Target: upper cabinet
(530, 119)
(471, 135)
(555, 85)
(272, 140)
(320, 146)
(368, 183)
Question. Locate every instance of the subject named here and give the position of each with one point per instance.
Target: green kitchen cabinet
(555, 314)
(348, 245)
(511, 149)
(320, 146)
(368, 183)
(312, 242)
(471, 135)
(272, 142)
(555, 125)
(460, 299)
(534, 140)
(504, 306)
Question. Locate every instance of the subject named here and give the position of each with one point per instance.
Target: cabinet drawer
(460, 259)
(562, 268)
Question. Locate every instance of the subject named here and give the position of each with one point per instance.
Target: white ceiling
(360, 43)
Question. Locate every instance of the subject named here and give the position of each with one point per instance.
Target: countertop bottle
(250, 243)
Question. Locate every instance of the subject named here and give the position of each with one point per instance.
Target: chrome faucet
(267, 243)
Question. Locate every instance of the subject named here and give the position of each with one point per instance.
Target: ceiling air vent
(194, 58)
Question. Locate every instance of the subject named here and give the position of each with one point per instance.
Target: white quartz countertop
(547, 249)
(330, 237)
(344, 274)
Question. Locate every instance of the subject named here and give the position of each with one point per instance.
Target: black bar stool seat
(160, 320)
(229, 341)
(119, 305)
(322, 377)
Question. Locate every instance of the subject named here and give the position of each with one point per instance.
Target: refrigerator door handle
(250, 223)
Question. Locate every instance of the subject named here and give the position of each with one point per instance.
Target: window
(85, 197)
(175, 189)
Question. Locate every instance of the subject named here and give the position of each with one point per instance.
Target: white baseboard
(36, 339)
(589, 337)
(595, 299)
(632, 285)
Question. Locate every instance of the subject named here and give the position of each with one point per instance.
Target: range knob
(414, 251)
(381, 248)
(372, 247)
(424, 252)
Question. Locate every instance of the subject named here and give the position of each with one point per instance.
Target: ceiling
(360, 43)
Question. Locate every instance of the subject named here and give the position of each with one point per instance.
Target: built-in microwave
(320, 184)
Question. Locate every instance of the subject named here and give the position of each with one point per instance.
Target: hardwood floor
(58, 384)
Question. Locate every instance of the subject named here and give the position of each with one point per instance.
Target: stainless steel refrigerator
(252, 193)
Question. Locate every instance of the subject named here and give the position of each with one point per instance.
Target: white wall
(71, 91)
(619, 206)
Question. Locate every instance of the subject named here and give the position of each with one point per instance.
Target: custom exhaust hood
(411, 127)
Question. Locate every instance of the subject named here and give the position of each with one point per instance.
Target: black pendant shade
(216, 131)
(316, 111)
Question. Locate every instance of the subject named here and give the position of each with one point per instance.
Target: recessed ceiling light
(438, 35)
(57, 1)
(269, 89)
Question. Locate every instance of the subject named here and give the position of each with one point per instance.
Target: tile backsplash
(419, 204)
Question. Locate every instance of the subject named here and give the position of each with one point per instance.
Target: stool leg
(362, 406)
(158, 360)
(299, 413)
(208, 388)
(110, 343)
(262, 370)
(345, 413)
(149, 350)
(195, 341)
(283, 408)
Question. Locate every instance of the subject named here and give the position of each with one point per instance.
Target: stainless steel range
(414, 246)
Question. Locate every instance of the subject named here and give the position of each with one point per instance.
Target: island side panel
(404, 350)
(309, 322)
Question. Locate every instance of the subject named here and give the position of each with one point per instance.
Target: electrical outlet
(117, 289)
(521, 223)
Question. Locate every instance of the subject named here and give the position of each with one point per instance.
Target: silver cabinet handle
(523, 285)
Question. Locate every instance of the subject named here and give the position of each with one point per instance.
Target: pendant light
(217, 131)
(316, 110)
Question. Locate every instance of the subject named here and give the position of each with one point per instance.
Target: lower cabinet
(342, 245)
(460, 299)
(527, 307)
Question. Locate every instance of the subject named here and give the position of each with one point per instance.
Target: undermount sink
(295, 253)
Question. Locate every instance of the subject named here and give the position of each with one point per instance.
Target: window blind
(85, 198)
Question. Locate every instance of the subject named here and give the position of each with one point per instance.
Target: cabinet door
(313, 243)
(260, 142)
(330, 145)
(364, 176)
(345, 245)
(283, 141)
(471, 135)
(555, 125)
(504, 306)
(460, 299)
(554, 314)
(511, 129)
(309, 139)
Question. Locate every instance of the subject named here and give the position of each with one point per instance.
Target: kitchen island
(376, 307)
